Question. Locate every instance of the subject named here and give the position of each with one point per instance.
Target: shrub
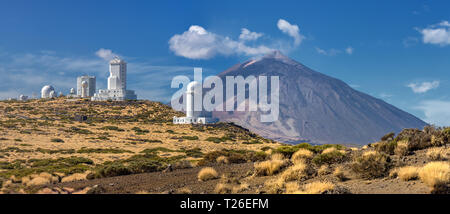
(218, 139)
(195, 152)
(297, 172)
(74, 177)
(292, 188)
(207, 173)
(437, 176)
(438, 154)
(222, 159)
(417, 139)
(329, 157)
(269, 167)
(339, 174)
(38, 181)
(408, 173)
(233, 156)
(402, 148)
(388, 137)
(100, 150)
(301, 154)
(317, 187)
(387, 147)
(57, 140)
(189, 137)
(288, 151)
(184, 190)
(113, 128)
(223, 188)
(274, 186)
(323, 170)
(371, 164)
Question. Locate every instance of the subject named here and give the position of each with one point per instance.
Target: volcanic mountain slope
(317, 108)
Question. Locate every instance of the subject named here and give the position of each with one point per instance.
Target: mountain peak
(277, 55)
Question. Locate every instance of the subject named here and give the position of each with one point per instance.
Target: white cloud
(105, 54)
(438, 34)
(291, 30)
(349, 50)
(197, 43)
(423, 87)
(436, 112)
(247, 35)
(330, 52)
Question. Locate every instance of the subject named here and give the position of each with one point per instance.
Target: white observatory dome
(84, 84)
(45, 91)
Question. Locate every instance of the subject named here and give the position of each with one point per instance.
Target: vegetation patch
(101, 150)
(113, 128)
(233, 156)
(371, 164)
(57, 140)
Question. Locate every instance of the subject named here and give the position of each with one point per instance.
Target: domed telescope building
(48, 92)
(192, 116)
(117, 83)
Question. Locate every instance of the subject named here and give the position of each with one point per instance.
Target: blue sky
(394, 50)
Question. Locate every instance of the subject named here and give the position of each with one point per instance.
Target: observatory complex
(117, 83)
(192, 116)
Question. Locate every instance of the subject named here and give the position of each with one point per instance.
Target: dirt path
(162, 182)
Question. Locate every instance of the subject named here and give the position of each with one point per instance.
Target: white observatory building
(192, 116)
(48, 92)
(117, 83)
(89, 87)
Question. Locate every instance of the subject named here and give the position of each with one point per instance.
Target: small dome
(84, 84)
(52, 94)
(190, 88)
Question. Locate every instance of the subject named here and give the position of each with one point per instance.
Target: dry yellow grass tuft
(222, 159)
(274, 186)
(301, 155)
(339, 173)
(269, 167)
(25, 180)
(323, 170)
(184, 190)
(223, 188)
(277, 156)
(292, 188)
(328, 150)
(438, 153)
(74, 177)
(239, 188)
(207, 173)
(296, 172)
(317, 188)
(408, 173)
(38, 181)
(142, 192)
(436, 175)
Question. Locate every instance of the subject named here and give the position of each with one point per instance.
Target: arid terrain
(78, 146)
